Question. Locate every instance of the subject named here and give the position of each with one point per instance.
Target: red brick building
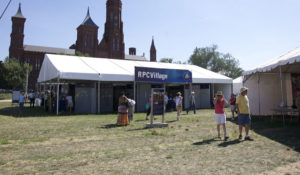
(111, 46)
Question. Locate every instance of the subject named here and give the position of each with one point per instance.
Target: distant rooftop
(19, 13)
(135, 58)
(52, 50)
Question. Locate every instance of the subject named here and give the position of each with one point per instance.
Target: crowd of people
(47, 100)
(239, 105)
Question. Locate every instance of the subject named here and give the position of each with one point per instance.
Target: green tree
(210, 58)
(166, 60)
(78, 53)
(14, 73)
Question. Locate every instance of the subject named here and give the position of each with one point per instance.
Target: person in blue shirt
(21, 102)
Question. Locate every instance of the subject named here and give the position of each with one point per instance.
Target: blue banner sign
(145, 74)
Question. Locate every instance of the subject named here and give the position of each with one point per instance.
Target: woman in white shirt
(178, 101)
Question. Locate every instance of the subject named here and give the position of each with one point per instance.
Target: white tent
(100, 69)
(237, 84)
(270, 84)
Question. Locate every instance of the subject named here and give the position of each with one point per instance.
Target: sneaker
(226, 138)
(219, 137)
(232, 118)
(240, 137)
(248, 138)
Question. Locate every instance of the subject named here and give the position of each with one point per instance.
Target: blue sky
(253, 31)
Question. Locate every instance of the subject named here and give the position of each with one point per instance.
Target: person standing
(178, 101)
(166, 99)
(32, 98)
(244, 119)
(233, 105)
(220, 115)
(148, 107)
(123, 110)
(130, 109)
(21, 103)
(69, 104)
(192, 101)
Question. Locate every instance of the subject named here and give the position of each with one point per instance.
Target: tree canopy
(210, 58)
(13, 74)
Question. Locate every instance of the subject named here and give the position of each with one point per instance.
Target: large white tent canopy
(101, 69)
(289, 58)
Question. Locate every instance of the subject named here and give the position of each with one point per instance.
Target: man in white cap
(244, 119)
(192, 103)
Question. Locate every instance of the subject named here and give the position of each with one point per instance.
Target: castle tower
(87, 36)
(17, 35)
(152, 52)
(112, 44)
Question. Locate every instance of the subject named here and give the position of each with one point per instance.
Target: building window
(20, 29)
(118, 45)
(92, 42)
(114, 42)
(15, 28)
(85, 40)
(19, 59)
(37, 64)
(111, 17)
(116, 21)
(27, 61)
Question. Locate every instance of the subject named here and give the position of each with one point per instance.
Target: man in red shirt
(233, 105)
(219, 102)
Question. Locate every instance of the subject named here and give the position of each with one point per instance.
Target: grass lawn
(5, 96)
(92, 144)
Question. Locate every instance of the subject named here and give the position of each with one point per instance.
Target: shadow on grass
(138, 129)
(206, 142)
(109, 126)
(232, 142)
(27, 112)
(288, 134)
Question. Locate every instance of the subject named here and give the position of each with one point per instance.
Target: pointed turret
(87, 36)
(19, 13)
(88, 20)
(153, 51)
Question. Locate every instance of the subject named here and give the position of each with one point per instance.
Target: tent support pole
(57, 97)
(99, 90)
(258, 87)
(45, 96)
(134, 95)
(281, 89)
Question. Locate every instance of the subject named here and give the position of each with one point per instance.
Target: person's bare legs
(218, 129)
(247, 130)
(240, 129)
(224, 129)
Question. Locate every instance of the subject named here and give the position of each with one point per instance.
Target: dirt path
(292, 168)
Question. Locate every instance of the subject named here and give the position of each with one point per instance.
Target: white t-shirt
(178, 101)
(69, 98)
(166, 99)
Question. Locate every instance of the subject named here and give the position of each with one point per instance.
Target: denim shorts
(244, 119)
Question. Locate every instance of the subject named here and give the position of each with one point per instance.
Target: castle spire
(88, 20)
(19, 13)
(153, 51)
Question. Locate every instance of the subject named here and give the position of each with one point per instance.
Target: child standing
(233, 105)
(220, 116)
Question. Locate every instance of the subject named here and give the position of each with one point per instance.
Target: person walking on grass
(21, 103)
(233, 105)
(220, 115)
(192, 101)
(178, 101)
(244, 119)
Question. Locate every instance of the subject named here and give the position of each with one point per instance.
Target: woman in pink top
(220, 115)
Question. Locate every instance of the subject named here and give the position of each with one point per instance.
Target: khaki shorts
(179, 108)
